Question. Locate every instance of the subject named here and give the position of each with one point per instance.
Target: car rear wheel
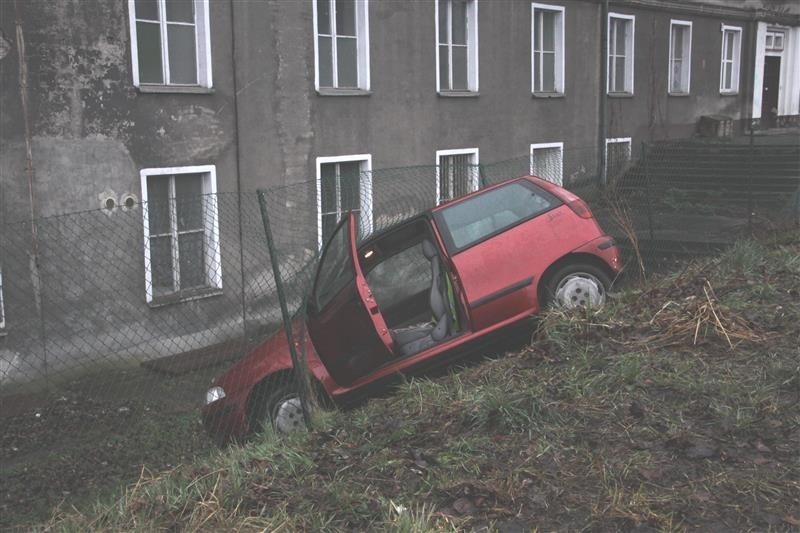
(279, 407)
(577, 285)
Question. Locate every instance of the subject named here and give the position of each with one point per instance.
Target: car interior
(412, 288)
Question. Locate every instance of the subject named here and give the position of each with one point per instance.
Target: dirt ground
(94, 435)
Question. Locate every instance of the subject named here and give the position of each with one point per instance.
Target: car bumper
(224, 421)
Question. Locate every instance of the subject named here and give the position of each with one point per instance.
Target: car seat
(412, 340)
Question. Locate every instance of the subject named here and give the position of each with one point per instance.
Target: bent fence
(146, 303)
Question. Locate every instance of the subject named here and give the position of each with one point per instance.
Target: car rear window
(485, 215)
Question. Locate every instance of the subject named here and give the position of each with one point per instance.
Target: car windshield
(334, 270)
(487, 214)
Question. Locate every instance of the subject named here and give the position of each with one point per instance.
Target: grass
(636, 415)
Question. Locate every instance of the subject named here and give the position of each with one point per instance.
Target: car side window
(484, 215)
(334, 270)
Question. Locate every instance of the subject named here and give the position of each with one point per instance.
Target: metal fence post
(287, 319)
(749, 182)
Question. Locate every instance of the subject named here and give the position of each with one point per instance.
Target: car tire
(577, 285)
(277, 406)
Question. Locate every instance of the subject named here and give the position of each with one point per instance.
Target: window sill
(176, 89)
(620, 95)
(331, 91)
(459, 94)
(679, 95)
(729, 93)
(537, 94)
(184, 296)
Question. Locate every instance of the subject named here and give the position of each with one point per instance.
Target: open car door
(345, 324)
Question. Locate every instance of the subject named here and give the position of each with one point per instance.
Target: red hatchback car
(421, 294)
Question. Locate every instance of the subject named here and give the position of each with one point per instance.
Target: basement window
(344, 183)
(170, 45)
(181, 233)
(547, 161)
(457, 173)
(618, 157)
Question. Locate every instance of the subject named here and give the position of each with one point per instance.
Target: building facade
(108, 104)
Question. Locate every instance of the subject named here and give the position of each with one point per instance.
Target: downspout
(602, 101)
(750, 53)
(239, 191)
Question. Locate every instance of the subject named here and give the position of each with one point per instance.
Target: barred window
(170, 42)
(547, 161)
(182, 256)
(457, 173)
(618, 156)
(343, 184)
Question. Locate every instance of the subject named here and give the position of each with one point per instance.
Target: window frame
(474, 152)
(541, 146)
(472, 49)
(686, 62)
(630, 41)
(559, 52)
(202, 34)
(616, 140)
(211, 233)
(364, 190)
(362, 49)
(735, 62)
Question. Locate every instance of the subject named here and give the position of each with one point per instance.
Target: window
(547, 161)
(457, 45)
(774, 40)
(680, 56)
(729, 68)
(2, 308)
(620, 53)
(547, 36)
(181, 233)
(344, 184)
(618, 157)
(457, 173)
(170, 43)
(341, 47)
(489, 213)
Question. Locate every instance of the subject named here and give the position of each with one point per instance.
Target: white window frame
(202, 37)
(771, 40)
(362, 47)
(615, 140)
(472, 47)
(734, 63)
(475, 157)
(686, 58)
(560, 51)
(629, 55)
(2, 303)
(213, 256)
(539, 146)
(364, 190)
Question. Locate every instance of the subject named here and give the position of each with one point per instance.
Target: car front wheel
(577, 285)
(279, 407)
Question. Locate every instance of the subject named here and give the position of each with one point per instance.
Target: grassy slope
(638, 415)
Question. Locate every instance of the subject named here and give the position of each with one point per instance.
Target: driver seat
(414, 340)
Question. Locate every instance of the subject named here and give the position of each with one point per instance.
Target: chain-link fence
(139, 306)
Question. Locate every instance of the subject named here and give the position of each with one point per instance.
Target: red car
(419, 295)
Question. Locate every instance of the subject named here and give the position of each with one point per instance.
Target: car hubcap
(580, 290)
(289, 415)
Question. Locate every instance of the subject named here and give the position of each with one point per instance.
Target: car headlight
(213, 394)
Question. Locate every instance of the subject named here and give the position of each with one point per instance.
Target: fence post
(300, 371)
(648, 193)
(749, 182)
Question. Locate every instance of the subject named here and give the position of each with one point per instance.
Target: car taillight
(580, 208)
